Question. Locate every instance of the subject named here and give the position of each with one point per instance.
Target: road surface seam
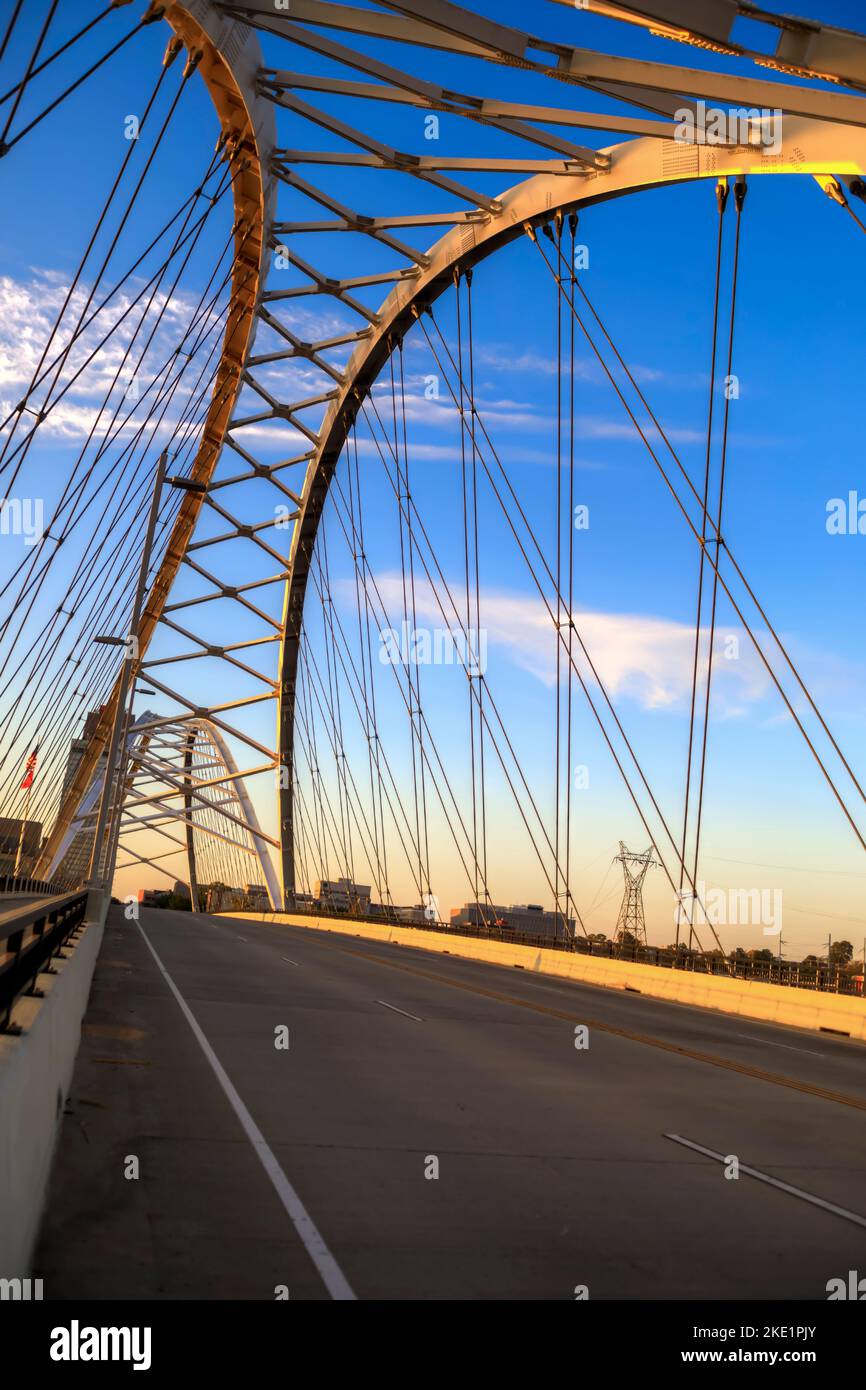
(773, 1182)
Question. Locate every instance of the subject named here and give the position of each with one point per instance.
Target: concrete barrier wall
(802, 1008)
(35, 1074)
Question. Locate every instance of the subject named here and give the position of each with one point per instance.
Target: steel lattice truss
(184, 787)
(301, 94)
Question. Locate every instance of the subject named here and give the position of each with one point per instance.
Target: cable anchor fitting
(172, 49)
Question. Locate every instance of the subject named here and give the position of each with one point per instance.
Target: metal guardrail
(792, 974)
(30, 935)
(823, 978)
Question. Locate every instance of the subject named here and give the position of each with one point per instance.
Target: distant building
(78, 746)
(525, 918)
(219, 897)
(256, 896)
(300, 902)
(342, 895)
(75, 865)
(417, 915)
(10, 834)
(160, 897)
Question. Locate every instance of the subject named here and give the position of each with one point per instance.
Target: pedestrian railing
(21, 886)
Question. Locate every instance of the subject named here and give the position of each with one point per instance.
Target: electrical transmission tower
(634, 871)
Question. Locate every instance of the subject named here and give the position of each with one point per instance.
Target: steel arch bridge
(334, 79)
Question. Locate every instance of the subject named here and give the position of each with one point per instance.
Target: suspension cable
(423, 869)
(28, 72)
(431, 742)
(64, 48)
(480, 673)
(722, 543)
(557, 522)
(543, 596)
(131, 34)
(457, 615)
(715, 565)
(473, 694)
(9, 28)
(739, 200)
(569, 772)
(410, 632)
(721, 203)
(107, 203)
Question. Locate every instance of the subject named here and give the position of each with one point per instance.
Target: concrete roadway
(554, 1169)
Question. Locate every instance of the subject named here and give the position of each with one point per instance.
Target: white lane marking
(394, 1008)
(289, 959)
(241, 938)
(788, 1046)
(774, 1182)
(332, 1276)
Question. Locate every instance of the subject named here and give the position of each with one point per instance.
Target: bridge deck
(554, 1168)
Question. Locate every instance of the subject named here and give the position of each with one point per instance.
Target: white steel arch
(812, 148)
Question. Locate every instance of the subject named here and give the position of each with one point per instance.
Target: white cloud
(28, 312)
(639, 657)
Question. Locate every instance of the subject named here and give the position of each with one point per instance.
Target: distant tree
(841, 952)
(763, 954)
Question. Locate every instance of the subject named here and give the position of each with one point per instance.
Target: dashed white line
(395, 1010)
(289, 959)
(788, 1046)
(774, 1182)
(332, 1276)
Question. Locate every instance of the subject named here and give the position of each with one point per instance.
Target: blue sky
(794, 443)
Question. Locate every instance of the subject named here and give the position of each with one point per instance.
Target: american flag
(30, 771)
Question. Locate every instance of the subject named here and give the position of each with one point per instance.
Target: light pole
(120, 780)
(102, 872)
(829, 958)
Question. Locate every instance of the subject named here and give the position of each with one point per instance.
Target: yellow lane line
(710, 1058)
